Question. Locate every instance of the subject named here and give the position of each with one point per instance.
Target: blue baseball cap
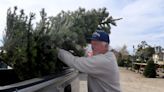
(100, 36)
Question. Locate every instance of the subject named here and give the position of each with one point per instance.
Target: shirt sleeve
(88, 65)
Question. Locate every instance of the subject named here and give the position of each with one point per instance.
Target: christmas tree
(31, 50)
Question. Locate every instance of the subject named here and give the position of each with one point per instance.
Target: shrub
(121, 63)
(150, 70)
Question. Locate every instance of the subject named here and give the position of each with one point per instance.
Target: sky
(143, 20)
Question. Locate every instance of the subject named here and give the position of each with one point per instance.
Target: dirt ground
(135, 82)
(131, 82)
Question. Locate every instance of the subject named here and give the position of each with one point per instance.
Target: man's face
(97, 47)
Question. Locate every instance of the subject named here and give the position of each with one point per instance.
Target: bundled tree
(150, 69)
(123, 57)
(28, 48)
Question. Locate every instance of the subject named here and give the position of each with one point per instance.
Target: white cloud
(141, 21)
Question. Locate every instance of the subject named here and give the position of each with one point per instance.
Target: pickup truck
(65, 81)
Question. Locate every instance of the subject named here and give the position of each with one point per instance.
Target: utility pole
(133, 57)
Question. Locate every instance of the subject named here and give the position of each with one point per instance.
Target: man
(102, 69)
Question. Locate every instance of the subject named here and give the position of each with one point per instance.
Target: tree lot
(142, 57)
